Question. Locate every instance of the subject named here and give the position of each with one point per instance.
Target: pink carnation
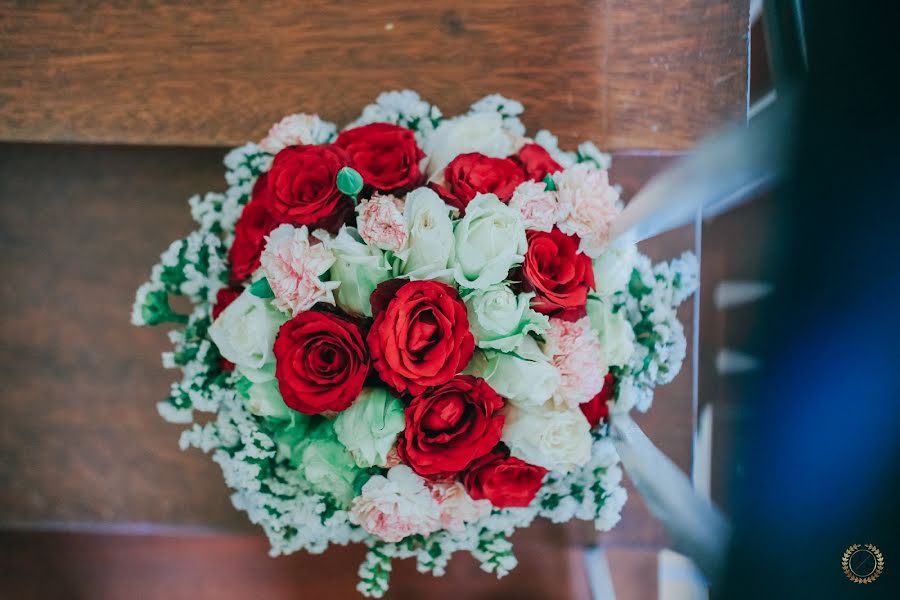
(297, 129)
(396, 506)
(574, 349)
(294, 266)
(393, 459)
(381, 222)
(456, 505)
(590, 205)
(540, 209)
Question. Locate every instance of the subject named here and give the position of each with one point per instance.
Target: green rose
(328, 466)
(615, 332)
(489, 240)
(264, 399)
(369, 428)
(500, 319)
(525, 378)
(430, 243)
(292, 437)
(358, 266)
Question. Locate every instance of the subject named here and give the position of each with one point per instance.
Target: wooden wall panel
(651, 74)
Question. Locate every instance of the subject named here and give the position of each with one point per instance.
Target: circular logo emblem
(862, 564)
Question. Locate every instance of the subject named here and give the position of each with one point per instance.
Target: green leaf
(262, 289)
(434, 550)
(156, 310)
(551, 185)
(349, 181)
(243, 386)
(636, 286)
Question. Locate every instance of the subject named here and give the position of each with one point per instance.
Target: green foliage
(551, 185)
(636, 286)
(262, 289)
(156, 309)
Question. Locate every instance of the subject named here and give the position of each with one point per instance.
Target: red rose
(385, 155)
(504, 480)
(421, 338)
(250, 231)
(224, 297)
(475, 173)
(449, 426)
(558, 273)
(303, 187)
(596, 409)
(536, 162)
(321, 362)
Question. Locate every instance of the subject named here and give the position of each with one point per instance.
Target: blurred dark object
(819, 442)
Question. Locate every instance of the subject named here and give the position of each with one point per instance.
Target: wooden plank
(650, 74)
(39, 565)
(80, 441)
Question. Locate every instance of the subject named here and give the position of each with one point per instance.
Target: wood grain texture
(50, 566)
(80, 441)
(651, 74)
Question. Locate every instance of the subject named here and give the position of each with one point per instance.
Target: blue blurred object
(820, 447)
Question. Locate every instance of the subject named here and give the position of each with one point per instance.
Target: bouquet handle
(694, 525)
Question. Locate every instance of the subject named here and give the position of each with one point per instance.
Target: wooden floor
(236, 567)
(111, 116)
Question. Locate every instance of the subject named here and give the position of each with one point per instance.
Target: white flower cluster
(648, 296)
(508, 109)
(261, 451)
(587, 152)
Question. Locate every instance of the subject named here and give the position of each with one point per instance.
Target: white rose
(523, 382)
(489, 240)
(358, 267)
(557, 439)
(615, 332)
(478, 132)
(612, 269)
(245, 331)
(501, 319)
(263, 374)
(430, 244)
(264, 400)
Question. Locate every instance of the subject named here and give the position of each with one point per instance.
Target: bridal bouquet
(410, 333)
